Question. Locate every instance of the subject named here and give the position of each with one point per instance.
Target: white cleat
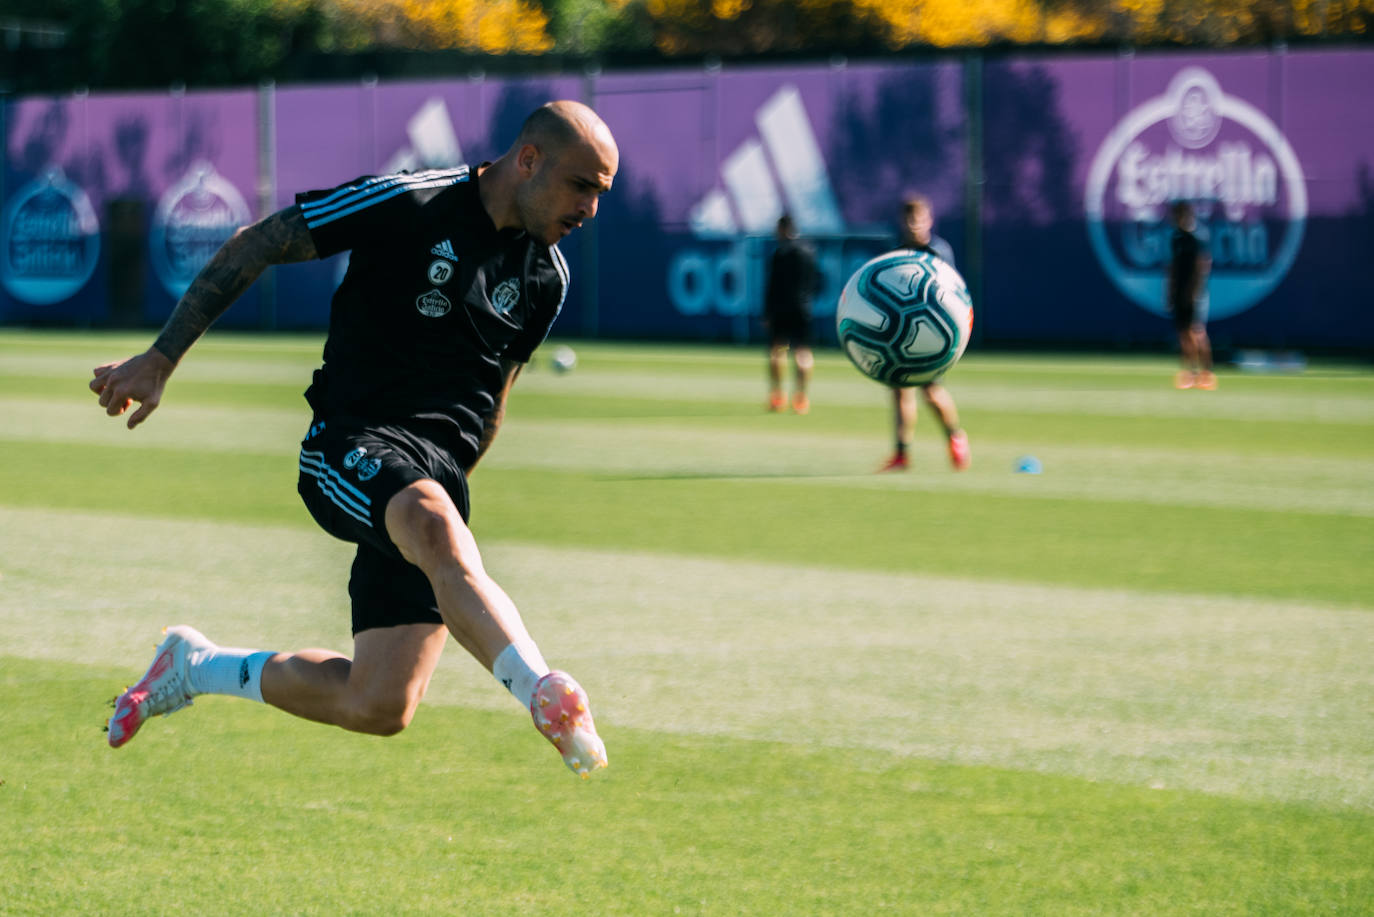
(564, 717)
(165, 688)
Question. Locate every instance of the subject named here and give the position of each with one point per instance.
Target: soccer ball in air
(904, 317)
(564, 359)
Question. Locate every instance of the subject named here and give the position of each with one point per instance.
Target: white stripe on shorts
(341, 493)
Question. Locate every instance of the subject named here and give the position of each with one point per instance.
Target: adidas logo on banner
(780, 169)
(444, 250)
(784, 173)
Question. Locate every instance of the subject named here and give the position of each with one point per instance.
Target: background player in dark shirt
(1186, 292)
(453, 280)
(918, 223)
(793, 279)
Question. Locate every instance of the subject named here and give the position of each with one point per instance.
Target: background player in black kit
(1186, 290)
(793, 279)
(453, 281)
(918, 223)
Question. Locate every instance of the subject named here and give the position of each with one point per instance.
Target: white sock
(229, 670)
(519, 668)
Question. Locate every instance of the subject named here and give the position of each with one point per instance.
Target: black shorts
(348, 472)
(1183, 314)
(789, 329)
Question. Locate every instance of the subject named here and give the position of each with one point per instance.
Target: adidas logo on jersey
(444, 250)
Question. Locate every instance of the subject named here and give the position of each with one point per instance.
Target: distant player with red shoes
(793, 280)
(454, 279)
(918, 223)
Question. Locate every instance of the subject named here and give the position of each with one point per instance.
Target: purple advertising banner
(1273, 150)
(711, 160)
(112, 202)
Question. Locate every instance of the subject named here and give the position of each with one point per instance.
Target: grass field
(1141, 682)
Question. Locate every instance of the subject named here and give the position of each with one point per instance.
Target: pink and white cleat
(165, 688)
(562, 714)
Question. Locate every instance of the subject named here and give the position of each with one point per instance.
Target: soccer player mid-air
(454, 279)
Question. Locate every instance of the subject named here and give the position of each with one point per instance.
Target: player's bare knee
(424, 524)
(382, 715)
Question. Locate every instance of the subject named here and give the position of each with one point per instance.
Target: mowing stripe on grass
(231, 808)
(1169, 476)
(1215, 550)
(1264, 700)
(851, 390)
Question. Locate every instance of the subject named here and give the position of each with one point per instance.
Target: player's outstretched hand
(141, 378)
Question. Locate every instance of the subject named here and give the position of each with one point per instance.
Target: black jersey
(936, 246)
(1185, 251)
(434, 299)
(793, 280)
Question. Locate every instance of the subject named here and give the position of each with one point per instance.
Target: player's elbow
(246, 251)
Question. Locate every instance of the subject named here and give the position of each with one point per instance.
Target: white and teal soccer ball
(564, 359)
(904, 318)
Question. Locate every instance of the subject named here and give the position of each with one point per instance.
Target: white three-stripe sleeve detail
(379, 190)
(315, 220)
(377, 183)
(560, 265)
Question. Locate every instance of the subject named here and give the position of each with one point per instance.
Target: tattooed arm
(510, 369)
(278, 239)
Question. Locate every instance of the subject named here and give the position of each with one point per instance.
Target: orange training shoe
(564, 717)
(958, 450)
(801, 404)
(776, 402)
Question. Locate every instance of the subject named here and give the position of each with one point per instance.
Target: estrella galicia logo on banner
(51, 241)
(194, 218)
(1198, 144)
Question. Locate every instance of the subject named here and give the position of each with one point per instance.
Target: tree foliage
(157, 42)
(482, 26)
(721, 26)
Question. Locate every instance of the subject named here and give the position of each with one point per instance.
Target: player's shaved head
(550, 180)
(554, 126)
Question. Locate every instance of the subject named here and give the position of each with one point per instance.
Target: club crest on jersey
(368, 468)
(439, 272)
(505, 296)
(433, 304)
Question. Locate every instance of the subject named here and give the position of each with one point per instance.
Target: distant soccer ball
(564, 359)
(904, 318)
